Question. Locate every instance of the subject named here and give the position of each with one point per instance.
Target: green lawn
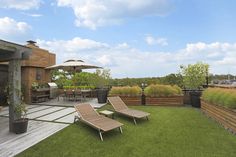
(170, 132)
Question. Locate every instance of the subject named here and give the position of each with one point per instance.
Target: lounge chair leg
(134, 121)
(75, 118)
(120, 130)
(147, 118)
(100, 134)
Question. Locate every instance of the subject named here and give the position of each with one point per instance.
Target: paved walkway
(47, 113)
(67, 103)
(45, 119)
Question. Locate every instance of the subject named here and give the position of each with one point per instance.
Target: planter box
(153, 101)
(222, 115)
(40, 95)
(165, 101)
(186, 97)
(130, 100)
(102, 95)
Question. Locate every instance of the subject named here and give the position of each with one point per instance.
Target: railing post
(143, 97)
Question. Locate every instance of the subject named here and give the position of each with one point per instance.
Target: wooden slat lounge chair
(121, 108)
(90, 117)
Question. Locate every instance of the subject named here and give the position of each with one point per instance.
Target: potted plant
(20, 124)
(194, 77)
(102, 83)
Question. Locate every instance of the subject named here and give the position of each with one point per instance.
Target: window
(38, 74)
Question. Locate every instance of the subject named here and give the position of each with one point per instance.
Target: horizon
(134, 39)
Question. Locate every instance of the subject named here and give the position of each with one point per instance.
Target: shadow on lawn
(90, 131)
(129, 120)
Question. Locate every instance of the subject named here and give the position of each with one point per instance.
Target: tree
(84, 79)
(194, 75)
(172, 79)
(100, 78)
(103, 78)
(61, 78)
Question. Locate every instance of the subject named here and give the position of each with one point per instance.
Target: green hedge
(162, 90)
(78, 87)
(126, 91)
(220, 96)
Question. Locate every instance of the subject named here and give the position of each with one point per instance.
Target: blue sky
(132, 38)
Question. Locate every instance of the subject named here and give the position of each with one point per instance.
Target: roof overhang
(10, 51)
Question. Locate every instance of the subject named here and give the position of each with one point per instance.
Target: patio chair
(70, 94)
(78, 95)
(121, 108)
(90, 117)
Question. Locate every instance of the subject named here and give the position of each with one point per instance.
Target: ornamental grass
(162, 90)
(126, 91)
(220, 96)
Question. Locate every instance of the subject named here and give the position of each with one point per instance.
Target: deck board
(5, 110)
(12, 144)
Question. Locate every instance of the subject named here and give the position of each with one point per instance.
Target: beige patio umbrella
(73, 66)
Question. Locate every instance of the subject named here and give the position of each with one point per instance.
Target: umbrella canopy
(73, 65)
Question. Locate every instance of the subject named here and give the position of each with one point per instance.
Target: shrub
(220, 96)
(162, 90)
(126, 91)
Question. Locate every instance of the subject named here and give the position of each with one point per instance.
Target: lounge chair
(121, 108)
(90, 117)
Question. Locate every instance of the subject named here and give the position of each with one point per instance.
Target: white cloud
(74, 45)
(20, 4)
(97, 13)
(13, 30)
(33, 15)
(126, 61)
(158, 41)
(74, 48)
(104, 60)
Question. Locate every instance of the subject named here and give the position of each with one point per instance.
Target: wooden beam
(5, 47)
(14, 79)
(9, 51)
(9, 46)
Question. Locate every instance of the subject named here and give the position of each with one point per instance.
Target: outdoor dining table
(75, 95)
(86, 93)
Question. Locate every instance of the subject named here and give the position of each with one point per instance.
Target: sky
(132, 38)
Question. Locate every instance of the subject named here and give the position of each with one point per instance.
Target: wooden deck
(43, 122)
(45, 119)
(12, 144)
